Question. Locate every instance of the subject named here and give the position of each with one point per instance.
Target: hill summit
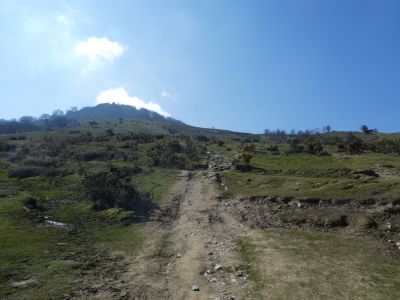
(113, 110)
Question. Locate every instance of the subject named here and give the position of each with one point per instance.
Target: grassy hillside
(274, 170)
(74, 200)
(51, 234)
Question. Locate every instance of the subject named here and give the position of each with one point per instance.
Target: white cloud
(64, 20)
(99, 50)
(120, 96)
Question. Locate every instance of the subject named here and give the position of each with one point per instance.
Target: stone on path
(195, 288)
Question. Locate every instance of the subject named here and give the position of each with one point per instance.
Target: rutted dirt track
(194, 249)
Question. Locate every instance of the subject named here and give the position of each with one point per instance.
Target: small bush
(43, 162)
(175, 153)
(24, 172)
(273, 148)
(54, 172)
(17, 137)
(295, 146)
(31, 202)
(92, 155)
(110, 132)
(356, 146)
(5, 147)
(242, 162)
(314, 146)
(34, 203)
(114, 188)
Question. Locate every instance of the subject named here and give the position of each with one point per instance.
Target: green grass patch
(155, 181)
(28, 251)
(322, 166)
(250, 257)
(117, 237)
(250, 184)
(53, 256)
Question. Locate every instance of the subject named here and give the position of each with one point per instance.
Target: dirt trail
(198, 247)
(204, 239)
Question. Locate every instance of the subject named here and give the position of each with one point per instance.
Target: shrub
(41, 162)
(174, 153)
(356, 146)
(92, 155)
(17, 137)
(24, 172)
(341, 147)
(242, 162)
(295, 146)
(5, 147)
(314, 146)
(31, 202)
(202, 138)
(19, 155)
(54, 172)
(109, 132)
(385, 146)
(352, 145)
(273, 148)
(114, 188)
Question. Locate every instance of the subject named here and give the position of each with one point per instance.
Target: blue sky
(239, 65)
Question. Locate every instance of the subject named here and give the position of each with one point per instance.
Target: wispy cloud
(165, 94)
(45, 43)
(120, 96)
(64, 20)
(99, 50)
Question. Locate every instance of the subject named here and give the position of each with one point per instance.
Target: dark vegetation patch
(177, 153)
(24, 172)
(34, 203)
(6, 147)
(114, 188)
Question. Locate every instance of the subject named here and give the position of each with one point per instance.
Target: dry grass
(297, 264)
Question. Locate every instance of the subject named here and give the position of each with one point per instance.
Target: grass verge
(250, 258)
